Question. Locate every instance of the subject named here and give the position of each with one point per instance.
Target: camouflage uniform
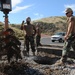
(31, 40)
(70, 42)
(29, 36)
(38, 34)
(38, 37)
(69, 37)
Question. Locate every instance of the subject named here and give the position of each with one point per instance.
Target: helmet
(28, 19)
(68, 10)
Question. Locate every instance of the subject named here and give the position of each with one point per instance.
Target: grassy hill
(54, 19)
(18, 32)
(49, 25)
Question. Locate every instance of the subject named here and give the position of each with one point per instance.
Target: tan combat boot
(61, 61)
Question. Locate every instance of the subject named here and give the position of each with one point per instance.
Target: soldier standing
(38, 34)
(29, 36)
(69, 37)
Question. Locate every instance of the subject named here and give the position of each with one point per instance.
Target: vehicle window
(63, 34)
(60, 34)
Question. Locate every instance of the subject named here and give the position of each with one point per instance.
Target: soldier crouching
(12, 44)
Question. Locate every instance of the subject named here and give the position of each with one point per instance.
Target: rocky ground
(42, 64)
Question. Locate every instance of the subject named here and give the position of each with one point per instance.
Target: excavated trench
(45, 60)
(43, 66)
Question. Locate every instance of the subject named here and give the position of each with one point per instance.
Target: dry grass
(52, 19)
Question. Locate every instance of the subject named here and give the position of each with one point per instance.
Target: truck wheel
(60, 40)
(53, 40)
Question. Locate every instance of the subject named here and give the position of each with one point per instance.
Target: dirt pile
(18, 69)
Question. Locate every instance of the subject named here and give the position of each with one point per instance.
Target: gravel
(27, 66)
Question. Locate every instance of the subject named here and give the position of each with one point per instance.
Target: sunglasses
(67, 13)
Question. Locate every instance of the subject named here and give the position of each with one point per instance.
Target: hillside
(54, 19)
(18, 32)
(49, 25)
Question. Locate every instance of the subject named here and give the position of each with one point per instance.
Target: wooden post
(6, 21)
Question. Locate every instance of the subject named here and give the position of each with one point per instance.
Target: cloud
(16, 2)
(18, 8)
(70, 6)
(38, 16)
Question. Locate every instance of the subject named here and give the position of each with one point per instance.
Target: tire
(60, 40)
(53, 40)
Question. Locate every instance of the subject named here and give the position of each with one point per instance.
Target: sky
(36, 9)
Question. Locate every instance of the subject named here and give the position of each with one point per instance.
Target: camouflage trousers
(38, 37)
(70, 43)
(30, 39)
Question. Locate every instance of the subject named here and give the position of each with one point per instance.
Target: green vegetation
(18, 32)
(49, 25)
(1, 26)
(52, 25)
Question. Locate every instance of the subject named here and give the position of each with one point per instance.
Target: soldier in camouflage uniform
(70, 35)
(29, 36)
(38, 34)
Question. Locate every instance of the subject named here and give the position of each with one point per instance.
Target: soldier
(38, 34)
(12, 44)
(70, 35)
(29, 36)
